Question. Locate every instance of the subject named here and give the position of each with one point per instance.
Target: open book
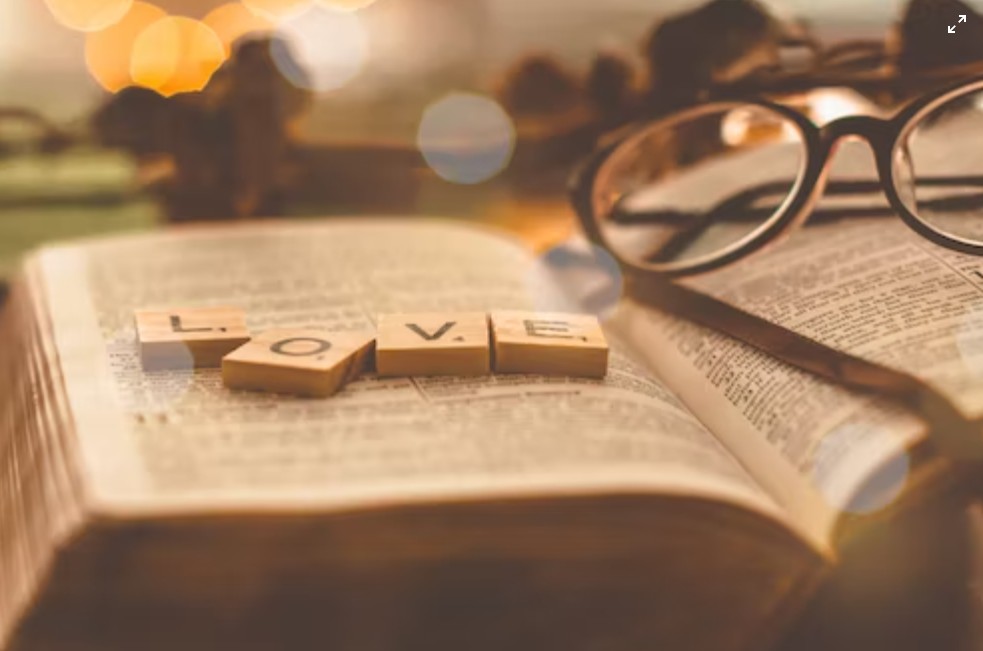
(692, 499)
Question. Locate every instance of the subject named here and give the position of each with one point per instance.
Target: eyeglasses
(704, 187)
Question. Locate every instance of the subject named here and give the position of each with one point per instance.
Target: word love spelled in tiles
(318, 363)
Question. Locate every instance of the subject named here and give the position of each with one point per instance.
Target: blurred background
(123, 114)
(411, 44)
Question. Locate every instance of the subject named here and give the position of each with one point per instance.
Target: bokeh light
(828, 104)
(861, 469)
(748, 126)
(345, 5)
(233, 21)
(278, 10)
(466, 138)
(87, 15)
(108, 52)
(176, 55)
(576, 276)
(330, 46)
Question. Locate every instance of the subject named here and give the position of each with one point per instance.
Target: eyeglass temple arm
(741, 206)
(692, 225)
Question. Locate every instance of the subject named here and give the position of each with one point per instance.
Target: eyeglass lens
(692, 188)
(938, 167)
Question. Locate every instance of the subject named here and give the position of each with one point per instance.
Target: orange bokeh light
(88, 15)
(234, 20)
(278, 9)
(108, 53)
(345, 5)
(176, 55)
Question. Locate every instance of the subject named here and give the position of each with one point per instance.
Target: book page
(811, 443)
(876, 290)
(180, 440)
(867, 286)
(870, 286)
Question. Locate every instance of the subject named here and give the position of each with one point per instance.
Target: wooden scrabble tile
(549, 344)
(446, 343)
(189, 337)
(311, 363)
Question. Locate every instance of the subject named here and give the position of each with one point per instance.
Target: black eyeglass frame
(884, 135)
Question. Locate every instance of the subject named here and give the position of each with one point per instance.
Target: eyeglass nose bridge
(822, 142)
(874, 130)
(877, 132)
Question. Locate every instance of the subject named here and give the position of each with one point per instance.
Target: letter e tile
(549, 344)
